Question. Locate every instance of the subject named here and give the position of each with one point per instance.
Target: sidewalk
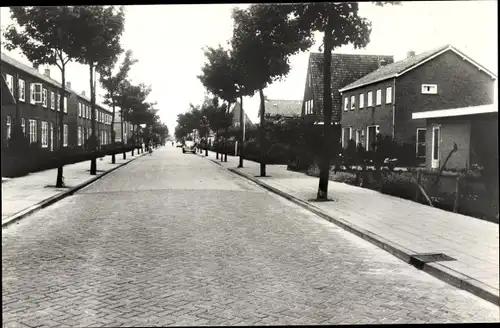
(409, 227)
(19, 194)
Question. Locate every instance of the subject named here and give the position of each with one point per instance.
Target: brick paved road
(173, 239)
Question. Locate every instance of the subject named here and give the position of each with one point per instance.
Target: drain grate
(418, 260)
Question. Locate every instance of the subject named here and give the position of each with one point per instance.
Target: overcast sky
(168, 40)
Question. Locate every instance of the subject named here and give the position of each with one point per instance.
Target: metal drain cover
(418, 260)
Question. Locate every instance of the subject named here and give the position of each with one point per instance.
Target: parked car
(189, 146)
(179, 144)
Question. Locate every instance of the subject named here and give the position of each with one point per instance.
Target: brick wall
(360, 118)
(451, 130)
(460, 84)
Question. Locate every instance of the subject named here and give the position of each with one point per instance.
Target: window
(346, 103)
(378, 98)
(51, 136)
(36, 93)
(44, 98)
(89, 116)
(370, 99)
(22, 90)
(58, 102)
(429, 89)
(32, 132)
(388, 95)
(52, 100)
(421, 142)
(65, 104)
(79, 136)
(9, 126)
(79, 109)
(361, 100)
(353, 102)
(23, 125)
(45, 133)
(10, 83)
(65, 131)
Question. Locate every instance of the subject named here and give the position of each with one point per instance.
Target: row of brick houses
(37, 97)
(373, 94)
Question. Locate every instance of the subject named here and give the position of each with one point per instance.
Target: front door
(371, 137)
(436, 135)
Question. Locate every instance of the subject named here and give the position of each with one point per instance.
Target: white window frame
(65, 137)
(435, 159)
(58, 102)
(8, 123)
(361, 100)
(44, 135)
(417, 142)
(51, 136)
(65, 104)
(44, 98)
(23, 125)
(37, 93)
(52, 100)
(22, 90)
(79, 109)
(378, 98)
(358, 137)
(346, 103)
(429, 89)
(388, 95)
(32, 131)
(80, 136)
(9, 79)
(370, 99)
(353, 102)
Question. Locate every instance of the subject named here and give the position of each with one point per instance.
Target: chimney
(410, 53)
(68, 85)
(35, 66)
(83, 93)
(47, 72)
(381, 62)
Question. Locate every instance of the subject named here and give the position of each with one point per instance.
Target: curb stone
(437, 270)
(51, 200)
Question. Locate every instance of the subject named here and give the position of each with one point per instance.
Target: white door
(436, 140)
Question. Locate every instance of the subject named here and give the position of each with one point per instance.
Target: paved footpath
(174, 240)
(23, 192)
(421, 229)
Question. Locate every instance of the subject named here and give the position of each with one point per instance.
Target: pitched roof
(345, 69)
(236, 115)
(400, 67)
(287, 108)
(34, 72)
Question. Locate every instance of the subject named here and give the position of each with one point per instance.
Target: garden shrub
(400, 184)
(344, 177)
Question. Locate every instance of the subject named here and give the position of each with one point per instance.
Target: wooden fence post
(419, 179)
(457, 195)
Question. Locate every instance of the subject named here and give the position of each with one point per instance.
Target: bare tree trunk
(262, 135)
(60, 177)
(93, 161)
(242, 136)
(324, 167)
(113, 132)
(122, 133)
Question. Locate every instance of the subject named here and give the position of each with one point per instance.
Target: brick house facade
(38, 104)
(438, 79)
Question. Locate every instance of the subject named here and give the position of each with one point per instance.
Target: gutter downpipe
(394, 109)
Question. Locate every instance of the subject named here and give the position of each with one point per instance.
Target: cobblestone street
(173, 239)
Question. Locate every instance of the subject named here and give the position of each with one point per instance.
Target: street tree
(341, 24)
(102, 27)
(111, 83)
(46, 36)
(266, 35)
(217, 78)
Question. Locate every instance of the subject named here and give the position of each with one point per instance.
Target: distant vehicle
(189, 146)
(179, 144)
